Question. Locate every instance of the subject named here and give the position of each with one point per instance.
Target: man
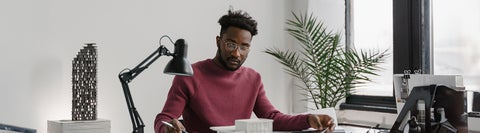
(222, 90)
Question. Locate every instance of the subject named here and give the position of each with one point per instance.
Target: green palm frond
(328, 72)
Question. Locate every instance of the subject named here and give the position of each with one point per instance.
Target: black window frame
(412, 43)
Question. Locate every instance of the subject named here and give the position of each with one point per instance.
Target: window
(373, 30)
(411, 27)
(437, 37)
(456, 33)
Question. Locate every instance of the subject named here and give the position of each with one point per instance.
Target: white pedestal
(473, 123)
(69, 126)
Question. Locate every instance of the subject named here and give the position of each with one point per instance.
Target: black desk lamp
(179, 65)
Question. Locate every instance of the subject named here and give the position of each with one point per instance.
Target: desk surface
(339, 129)
(344, 129)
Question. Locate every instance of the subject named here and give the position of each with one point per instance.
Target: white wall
(331, 12)
(39, 39)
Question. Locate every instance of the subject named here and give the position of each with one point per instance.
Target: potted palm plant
(327, 70)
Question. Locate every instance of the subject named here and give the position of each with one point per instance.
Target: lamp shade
(179, 65)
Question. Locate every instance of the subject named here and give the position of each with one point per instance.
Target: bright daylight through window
(373, 30)
(456, 41)
(456, 35)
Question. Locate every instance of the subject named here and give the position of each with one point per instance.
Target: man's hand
(178, 127)
(321, 122)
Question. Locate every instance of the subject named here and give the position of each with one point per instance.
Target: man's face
(233, 47)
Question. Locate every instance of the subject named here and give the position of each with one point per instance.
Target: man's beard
(224, 64)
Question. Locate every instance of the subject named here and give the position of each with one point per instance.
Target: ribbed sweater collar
(220, 69)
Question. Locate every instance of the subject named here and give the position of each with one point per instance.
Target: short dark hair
(238, 19)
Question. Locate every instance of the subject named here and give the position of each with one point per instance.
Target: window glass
(456, 40)
(373, 30)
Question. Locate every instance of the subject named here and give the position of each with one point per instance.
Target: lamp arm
(131, 74)
(127, 76)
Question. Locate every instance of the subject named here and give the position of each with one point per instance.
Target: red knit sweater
(215, 96)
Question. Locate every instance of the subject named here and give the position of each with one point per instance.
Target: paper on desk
(223, 129)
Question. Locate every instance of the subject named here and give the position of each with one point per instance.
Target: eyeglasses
(232, 46)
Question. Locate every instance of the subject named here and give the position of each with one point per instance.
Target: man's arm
(283, 122)
(174, 105)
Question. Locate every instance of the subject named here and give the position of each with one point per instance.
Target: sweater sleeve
(281, 122)
(174, 105)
